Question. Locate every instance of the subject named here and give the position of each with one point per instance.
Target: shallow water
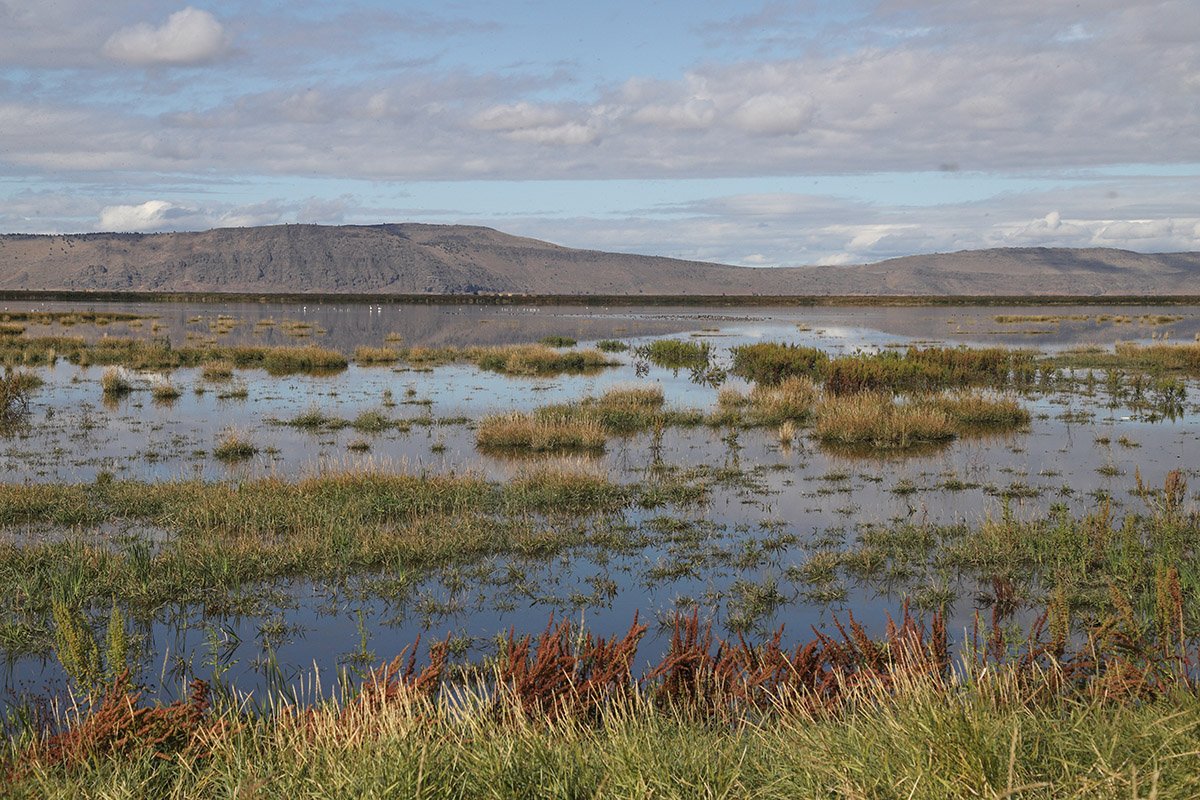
(752, 536)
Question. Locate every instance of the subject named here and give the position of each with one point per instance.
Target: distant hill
(457, 259)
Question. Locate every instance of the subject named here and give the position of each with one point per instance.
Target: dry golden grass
(539, 433)
(376, 355)
(791, 399)
(974, 409)
(114, 383)
(874, 420)
(634, 396)
(217, 371)
(537, 359)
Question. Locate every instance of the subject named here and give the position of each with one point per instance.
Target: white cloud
(516, 117)
(148, 216)
(526, 122)
(694, 113)
(774, 114)
(163, 215)
(190, 36)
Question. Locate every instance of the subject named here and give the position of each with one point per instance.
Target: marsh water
(744, 557)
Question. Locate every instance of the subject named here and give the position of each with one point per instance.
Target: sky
(762, 134)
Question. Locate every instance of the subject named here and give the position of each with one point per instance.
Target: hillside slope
(454, 259)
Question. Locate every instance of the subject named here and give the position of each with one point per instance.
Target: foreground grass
(564, 718)
(923, 746)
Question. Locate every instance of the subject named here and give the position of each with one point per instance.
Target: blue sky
(762, 134)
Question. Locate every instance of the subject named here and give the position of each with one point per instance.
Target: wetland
(272, 496)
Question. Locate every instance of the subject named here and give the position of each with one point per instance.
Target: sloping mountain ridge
(414, 258)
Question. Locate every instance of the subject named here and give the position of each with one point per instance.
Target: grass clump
(371, 422)
(558, 341)
(216, 370)
(676, 353)
(165, 391)
(637, 396)
(928, 369)
(611, 346)
(314, 418)
(878, 422)
(311, 359)
(366, 356)
(773, 362)
(234, 446)
(539, 433)
(975, 410)
(790, 400)
(114, 383)
(540, 360)
(15, 389)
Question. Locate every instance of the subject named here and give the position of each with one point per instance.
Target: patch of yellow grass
(539, 433)
(875, 420)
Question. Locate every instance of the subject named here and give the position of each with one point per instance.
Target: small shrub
(612, 346)
(558, 341)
